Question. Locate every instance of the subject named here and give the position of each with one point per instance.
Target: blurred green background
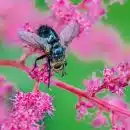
(64, 116)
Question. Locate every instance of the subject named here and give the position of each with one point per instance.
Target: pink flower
(108, 74)
(28, 28)
(101, 42)
(119, 122)
(92, 85)
(15, 18)
(95, 10)
(27, 110)
(123, 67)
(82, 109)
(5, 5)
(41, 74)
(99, 120)
(116, 79)
(64, 12)
(6, 89)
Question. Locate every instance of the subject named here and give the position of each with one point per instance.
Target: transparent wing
(33, 40)
(69, 32)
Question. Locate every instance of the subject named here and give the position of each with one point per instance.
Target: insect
(54, 46)
(56, 52)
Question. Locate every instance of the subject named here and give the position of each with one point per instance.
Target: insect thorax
(57, 57)
(58, 52)
(48, 33)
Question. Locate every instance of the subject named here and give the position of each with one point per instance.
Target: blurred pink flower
(95, 10)
(64, 11)
(5, 5)
(27, 110)
(6, 89)
(101, 42)
(17, 15)
(119, 122)
(99, 120)
(82, 109)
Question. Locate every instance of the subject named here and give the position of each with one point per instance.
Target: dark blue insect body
(56, 55)
(57, 52)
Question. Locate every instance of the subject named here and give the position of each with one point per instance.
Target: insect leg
(49, 71)
(63, 71)
(37, 59)
(65, 63)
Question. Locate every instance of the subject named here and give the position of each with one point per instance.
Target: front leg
(37, 59)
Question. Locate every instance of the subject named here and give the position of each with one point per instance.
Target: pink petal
(99, 120)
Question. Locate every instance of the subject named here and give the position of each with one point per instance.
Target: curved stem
(14, 63)
(99, 102)
(24, 57)
(36, 87)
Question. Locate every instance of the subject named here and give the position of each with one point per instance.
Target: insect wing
(33, 39)
(69, 32)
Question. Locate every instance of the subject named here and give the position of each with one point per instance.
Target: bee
(54, 47)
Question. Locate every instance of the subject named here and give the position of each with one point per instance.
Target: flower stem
(14, 63)
(36, 87)
(98, 102)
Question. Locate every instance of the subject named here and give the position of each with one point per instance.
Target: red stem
(14, 63)
(36, 87)
(99, 102)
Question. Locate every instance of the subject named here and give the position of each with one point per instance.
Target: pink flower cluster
(99, 120)
(82, 109)
(115, 80)
(118, 121)
(41, 74)
(64, 12)
(27, 110)
(13, 17)
(6, 89)
(93, 85)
